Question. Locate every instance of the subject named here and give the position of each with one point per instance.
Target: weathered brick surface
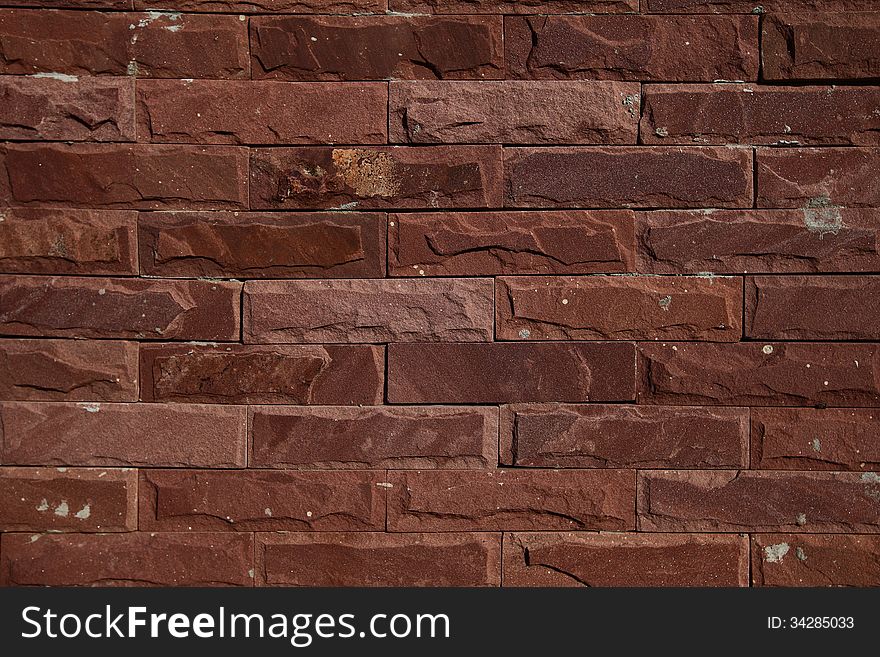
(815, 560)
(747, 6)
(269, 6)
(514, 6)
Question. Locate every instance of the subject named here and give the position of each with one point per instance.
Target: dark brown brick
(748, 6)
(513, 7)
(269, 6)
(815, 560)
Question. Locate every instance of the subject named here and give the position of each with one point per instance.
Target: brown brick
(748, 6)
(269, 6)
(123, 434)
(815, 560)
(377, 559)
(513, 7)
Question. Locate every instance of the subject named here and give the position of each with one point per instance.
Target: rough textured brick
(43, 241)
(759, 501)
(749, 114)
(510, 500)
(350, 375)
(584, 559)
(513, 7)
(90, 433)
(119, 176)
(262, 245)
(50, 109)
(815, 560)
(376, 47)
(379, 437)
(264, 112)
(503, 373)
(119, 308)
(261, 500)
(82, 500)
(748, 6)
(483, 244)
(756, 374)
(269, 6)
(628, 177)
(365, 178)
(377, 559)
(512, 112)
(401, 310)
(758, 241)
(800, 46)
(136, 559)
(68, 370)
(821, 179)
(618, 308)
(618, 436)
(646, 48)
(813, 307)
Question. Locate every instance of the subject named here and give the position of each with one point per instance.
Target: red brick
(815, 560)
(510, 500)
(497, 373)
(135, 559)
(813, 307)
(41, 499)
(344, 375)
(483, 244)
(619, 436)
(815, 439)
(512, 112)
(375, 178)
(513, 7)
(818, 179)
(758, 241)
(377, 559)
(119, 308)
(748, 6)
(756, 374)
(747, 114)
(68, 370)
(36, 241)
(377, 437)
(261, 500)
(269, 6)
(641, 48)
(694, 500)
(119, 176)
(618, 308)
(628, 176)
(377, 47)
(123, 434)
(261, 112)
(79, 4)
(400, 310)
(585, 559)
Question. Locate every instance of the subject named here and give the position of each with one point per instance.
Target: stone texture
(609, 559)
(618, 308)
(490, 243)
(377, 559)
(119, 308)
(693, 500)
(815, 439)
(813, 307)
(377, 47)
(60, 500)
(135, 559)
(261, 112)
(262, 245)
(815, 560)
(403, 310)
(756, 374)
(641, 48)
(85, 110)
(42, 241)
(628, 176)
(377, 437)
(68, 370)
(809, 240)
(621, 436)
(510, 500)
(344, 375)
(748, 6)
(498, 373)
(512, 112)
(269, 6)
(749, 114)
(98, 434)
(375, 178)
(261, 500)
(513, 7)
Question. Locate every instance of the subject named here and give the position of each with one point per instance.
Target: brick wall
(423, 292)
